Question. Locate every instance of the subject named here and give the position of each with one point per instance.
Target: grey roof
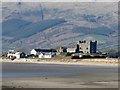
(43, 50)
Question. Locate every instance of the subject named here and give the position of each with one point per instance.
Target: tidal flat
(45, 75)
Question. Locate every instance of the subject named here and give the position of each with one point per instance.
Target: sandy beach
(58, 82)
(103, 62)
(51, 74)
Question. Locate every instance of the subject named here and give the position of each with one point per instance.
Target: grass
(42, 59)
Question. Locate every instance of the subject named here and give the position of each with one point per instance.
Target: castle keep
(86, 46)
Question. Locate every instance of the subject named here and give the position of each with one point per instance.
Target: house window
(87, 48)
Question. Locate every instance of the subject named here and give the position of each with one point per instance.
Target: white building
(35, 51)
(16, 54)
(43, 53)
(46, 55)
(20, 55)
(71, 50)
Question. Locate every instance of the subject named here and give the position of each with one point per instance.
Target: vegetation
(105, 31)
(4, 56)
(12, 58)
(66, 54)
(44, 59)
(22, 29)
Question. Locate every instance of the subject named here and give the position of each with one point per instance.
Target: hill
(18, 29)
(63, 24)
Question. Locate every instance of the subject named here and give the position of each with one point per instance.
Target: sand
(106, 80)
(103, 62)
(53, 82)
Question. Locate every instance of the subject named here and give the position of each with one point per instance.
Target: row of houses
(84, 48)
(40, 53)
(43, 53)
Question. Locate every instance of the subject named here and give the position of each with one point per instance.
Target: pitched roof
(43, 50)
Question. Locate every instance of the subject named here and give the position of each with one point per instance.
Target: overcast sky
(60, 0)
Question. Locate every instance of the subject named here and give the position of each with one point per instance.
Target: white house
(11, 54)
(41, 55)
(35, 51)
(16, 54)
(71, 50)
(20, 55)
(46, 55)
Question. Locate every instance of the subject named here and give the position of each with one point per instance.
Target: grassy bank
(64, 60)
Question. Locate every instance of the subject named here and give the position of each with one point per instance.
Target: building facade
(62, 49)
(43, 53)
(16, 54)
(71, 50)
(35, 52)
(46, 55)
(93, 47)
(86, 47)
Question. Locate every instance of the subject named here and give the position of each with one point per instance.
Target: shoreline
(57, 76)
(41, 74)
(95, 62)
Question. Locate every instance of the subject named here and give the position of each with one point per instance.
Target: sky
(59, 0)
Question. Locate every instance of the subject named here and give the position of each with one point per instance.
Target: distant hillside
(13, 25)
(18, 29)
(63, 25)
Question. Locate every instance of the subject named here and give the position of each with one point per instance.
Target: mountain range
(28, 25)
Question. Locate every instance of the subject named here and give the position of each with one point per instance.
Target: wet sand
(41, 75)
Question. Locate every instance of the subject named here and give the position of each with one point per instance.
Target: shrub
(68, 54)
